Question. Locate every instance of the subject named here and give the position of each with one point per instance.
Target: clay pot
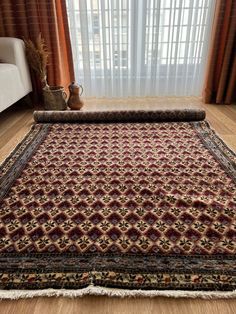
(74, 101)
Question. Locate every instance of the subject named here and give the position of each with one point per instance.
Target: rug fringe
(112, 292)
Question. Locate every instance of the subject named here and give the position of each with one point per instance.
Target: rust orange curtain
(27, 18)
(220, 84)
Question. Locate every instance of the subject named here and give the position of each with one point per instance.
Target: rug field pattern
(132, 205)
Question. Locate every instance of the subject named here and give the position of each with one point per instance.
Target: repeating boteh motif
(140, 189)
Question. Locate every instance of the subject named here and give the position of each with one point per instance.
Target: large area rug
(147, 208)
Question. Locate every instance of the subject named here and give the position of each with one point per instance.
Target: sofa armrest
(12, 50)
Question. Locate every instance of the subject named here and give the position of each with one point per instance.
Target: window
(140, 48)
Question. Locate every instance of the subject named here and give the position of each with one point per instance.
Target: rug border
(18, 145)
(33, 137)
(215, 144)
(114, 292)
(215, 136)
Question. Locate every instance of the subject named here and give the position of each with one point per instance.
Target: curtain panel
(220, 84)
(140, 47)
(27, 18)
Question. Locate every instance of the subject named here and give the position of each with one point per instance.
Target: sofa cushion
(11, 87)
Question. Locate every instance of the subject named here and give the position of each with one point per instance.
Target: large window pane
(119, 45)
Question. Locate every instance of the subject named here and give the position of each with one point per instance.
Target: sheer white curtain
(140, 47)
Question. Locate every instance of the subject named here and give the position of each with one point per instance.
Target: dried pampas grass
(37, 56)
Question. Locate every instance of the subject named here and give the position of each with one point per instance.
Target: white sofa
(15, 82)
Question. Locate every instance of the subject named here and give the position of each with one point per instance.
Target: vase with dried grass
(37, 56)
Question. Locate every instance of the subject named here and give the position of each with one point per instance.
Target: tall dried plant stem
(45, 83)
(37, 56)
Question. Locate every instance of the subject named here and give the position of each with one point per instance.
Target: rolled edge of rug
(120, 116)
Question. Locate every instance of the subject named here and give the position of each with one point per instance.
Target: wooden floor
(14, 123)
